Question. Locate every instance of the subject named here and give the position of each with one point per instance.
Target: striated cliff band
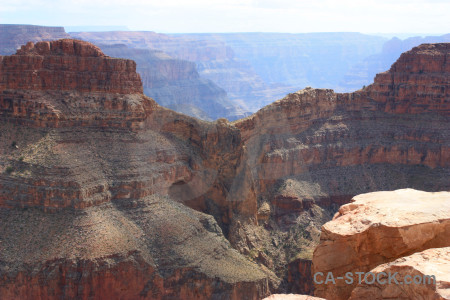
(173, 83)
(13, 36)
(104, 192)
(90, 171)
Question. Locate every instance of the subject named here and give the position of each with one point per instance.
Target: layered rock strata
(94, 149)
(13, 36)
(97, 181)
(315, 149)
(176, 84)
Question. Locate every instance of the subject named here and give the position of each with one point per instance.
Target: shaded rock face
(363, 72)
(197, 95)
(377, 228)
(215, 60)
(176, 84)
(13, 36)
(300, 277)
(313, 150)
(149, 176)
(68, 65)
(413, 269)
(88, 167)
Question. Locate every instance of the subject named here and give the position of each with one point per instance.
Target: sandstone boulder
(412, 277)
(377, 228)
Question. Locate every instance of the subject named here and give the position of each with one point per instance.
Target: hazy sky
(368, 16)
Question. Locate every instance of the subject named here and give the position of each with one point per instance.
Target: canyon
(173, 83)
(104, 192)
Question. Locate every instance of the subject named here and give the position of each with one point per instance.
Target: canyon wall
(361, 73)
(215, 61)
(98, 158)
(93, 175)
(312, 151)
(172, 82)
(13, 36)
(176, 84)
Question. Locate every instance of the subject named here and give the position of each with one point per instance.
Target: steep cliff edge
(176, 84)
(13, 36)
(126, 183)
(379, 228)
(313, 150)
(363, 72)
(94, 177)
(215, 61)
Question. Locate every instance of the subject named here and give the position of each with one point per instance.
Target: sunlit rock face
(378, 228)
(13, 36)
(125, 188)
(92, 183)
(424, 275)
(313, 150)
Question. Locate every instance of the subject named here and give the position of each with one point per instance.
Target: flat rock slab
(377, 228)
(413, 282)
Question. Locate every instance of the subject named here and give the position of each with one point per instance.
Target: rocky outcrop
(420, 74)
(176, 84)
(377, 228)
(164, 74)
(68, 65)
(97, 183)
(97, 159)
(13, 36)
(362, 73)
(215, 61)
(423, 275)
(313, 150)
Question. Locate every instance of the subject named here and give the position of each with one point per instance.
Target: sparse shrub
(14, 144)
(21, 158)
(9, 170)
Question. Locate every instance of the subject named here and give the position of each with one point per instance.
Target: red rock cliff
(315, 149)
(68, 65)
(96, 183)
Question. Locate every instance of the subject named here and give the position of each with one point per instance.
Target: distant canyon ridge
(231, 75)
(105, 193)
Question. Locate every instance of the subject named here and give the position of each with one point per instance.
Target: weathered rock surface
(215, 61)
(97, 181)
(291, 297)
(313, 150)
(270, 180)
(13, 36)
(363, 72)
(412, 271)
(376, 228)
(176, 84)
(197, 96)
(68, 65)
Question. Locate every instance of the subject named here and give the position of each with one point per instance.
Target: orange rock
(376, 228)
(414, 272)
